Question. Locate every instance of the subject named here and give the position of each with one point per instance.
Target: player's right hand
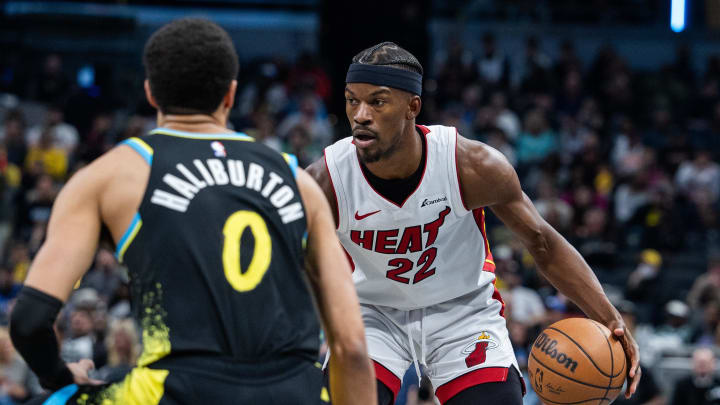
(80, 370)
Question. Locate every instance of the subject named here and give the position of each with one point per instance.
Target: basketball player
(212, 228)
(409, 205)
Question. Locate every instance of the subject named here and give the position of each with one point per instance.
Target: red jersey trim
(332, 185)
(480, 376)
(479, 215)
(489, 265)
(387, 377)
(424, 131)
(496, 296)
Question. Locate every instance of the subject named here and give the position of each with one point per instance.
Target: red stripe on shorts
(388, 378)
(471, 379)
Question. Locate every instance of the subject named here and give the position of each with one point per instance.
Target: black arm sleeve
(32, 334)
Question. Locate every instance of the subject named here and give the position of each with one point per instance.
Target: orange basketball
(576, 361)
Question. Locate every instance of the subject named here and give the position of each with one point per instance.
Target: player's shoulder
(481, 162)
(439, 133)
(340, 148)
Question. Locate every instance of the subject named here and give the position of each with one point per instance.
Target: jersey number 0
(233, 230)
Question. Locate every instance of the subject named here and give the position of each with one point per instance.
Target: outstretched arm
(487, 179)
(68, 251)
(352, 379)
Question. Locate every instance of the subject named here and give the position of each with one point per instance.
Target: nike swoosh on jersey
(361, 217)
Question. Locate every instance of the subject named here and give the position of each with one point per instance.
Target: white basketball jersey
(427, 250)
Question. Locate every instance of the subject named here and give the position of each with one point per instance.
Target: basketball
(576, 361)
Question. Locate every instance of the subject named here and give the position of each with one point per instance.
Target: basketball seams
(582, 350)
(602, 387)
(584, 401)
(612, 354)
(612, 357)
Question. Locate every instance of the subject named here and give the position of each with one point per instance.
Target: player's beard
(379, 153)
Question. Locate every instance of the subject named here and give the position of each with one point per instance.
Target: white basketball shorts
(461, 343)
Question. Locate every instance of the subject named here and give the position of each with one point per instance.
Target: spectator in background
(123, 349)
(643, 282)
(496, 138)
(535, 69)
(51, 85)
(493, 66)
(136, 126)
(45, 158)
(591, 240)
(8, 291)
(574, 139)
(19, 260)
(707, 323)
(631, 196)
(707, 286)
(570, 98)
(104, 277)
(527, 306)
(36, 211)
(17, 382)
(79, 342)
(98, 139)
(266, 91)
(702, 387)
(62, 135)
(310, 119)
(471, 98)
(455, 71)
(10, 181)
(628, 152)
(13, 136)
(552, 208)
(505, 118)
(699, 178)
(308, 75)
(537, 141)
(567, 61)
(264, 130)
(299, 144)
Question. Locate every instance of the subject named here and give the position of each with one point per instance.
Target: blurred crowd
(623, 163)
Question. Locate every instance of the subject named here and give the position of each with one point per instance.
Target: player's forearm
(352, 379)
(563, 266)
(32, 334)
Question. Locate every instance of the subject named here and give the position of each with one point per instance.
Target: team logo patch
(433, 200)
(218, 149)
(476, 350)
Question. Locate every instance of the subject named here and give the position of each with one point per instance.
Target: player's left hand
(80, 371)
(632, 354)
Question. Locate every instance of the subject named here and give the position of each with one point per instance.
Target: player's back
(215, 255)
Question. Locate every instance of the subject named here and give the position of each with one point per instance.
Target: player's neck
(404, 162)
(199, 123)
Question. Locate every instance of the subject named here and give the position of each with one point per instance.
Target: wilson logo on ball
(547, 346)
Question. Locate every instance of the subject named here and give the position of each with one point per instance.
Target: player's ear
(149, 96)
(414, 107)
(229, 99)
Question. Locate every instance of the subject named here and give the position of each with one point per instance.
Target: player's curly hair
(389, 54)
(190, 64)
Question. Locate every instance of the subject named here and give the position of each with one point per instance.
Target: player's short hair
(190, 64)
(391, 55)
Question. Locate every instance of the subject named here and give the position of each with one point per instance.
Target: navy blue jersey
(216, 252)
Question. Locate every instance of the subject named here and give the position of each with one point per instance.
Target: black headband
(385, 76)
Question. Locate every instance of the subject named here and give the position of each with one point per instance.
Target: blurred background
(608, 109)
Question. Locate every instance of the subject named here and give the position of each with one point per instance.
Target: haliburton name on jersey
(216, 173)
